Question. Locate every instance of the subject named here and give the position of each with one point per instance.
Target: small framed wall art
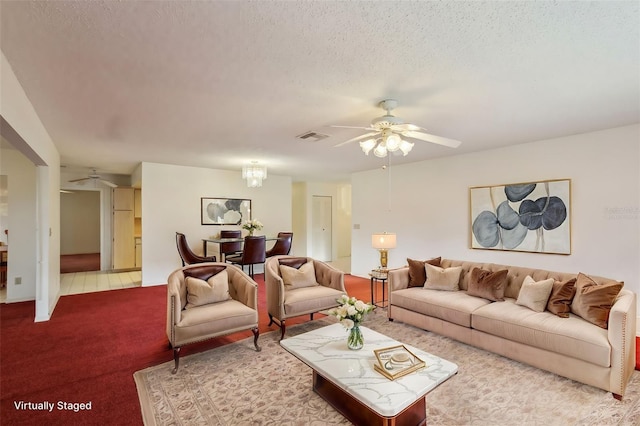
(531, 217)
(224, 211)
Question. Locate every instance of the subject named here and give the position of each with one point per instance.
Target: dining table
(218, 241)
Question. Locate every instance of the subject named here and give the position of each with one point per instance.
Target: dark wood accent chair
(253, 252)
(282, 245)
(227, 249)
(189, 257)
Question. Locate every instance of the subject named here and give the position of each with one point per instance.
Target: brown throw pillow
(417, 273)
(561, 297)
(293, 262)
(488, 285)
(204, 272)
(593, 302)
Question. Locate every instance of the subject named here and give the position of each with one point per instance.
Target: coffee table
(347, 380)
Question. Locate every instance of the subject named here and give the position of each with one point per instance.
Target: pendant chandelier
(254, 174)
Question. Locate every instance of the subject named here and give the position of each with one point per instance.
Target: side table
(378, 276)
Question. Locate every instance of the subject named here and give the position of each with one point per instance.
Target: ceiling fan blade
(365, 136)
(451, 143)
(354, 127)
(406, 127)
(106, 182)
(79, 180)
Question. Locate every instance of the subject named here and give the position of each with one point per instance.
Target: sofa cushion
(561, 297)
(417, 273)
(488, 285)
(451, 306)
(593, 302)
(213, 290)
(310, 299)
(305, 276)
(442, 279)
(535, 294)
(571, 336)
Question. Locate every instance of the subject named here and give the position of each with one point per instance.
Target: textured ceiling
(217, 84)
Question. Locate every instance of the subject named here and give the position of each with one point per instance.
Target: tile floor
(87, 282)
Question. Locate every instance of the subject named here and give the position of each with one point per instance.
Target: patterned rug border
(196, 395)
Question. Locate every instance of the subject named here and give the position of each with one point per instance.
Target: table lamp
(383, 242)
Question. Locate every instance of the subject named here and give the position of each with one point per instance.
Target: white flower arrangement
(351, 311)
(252, 225)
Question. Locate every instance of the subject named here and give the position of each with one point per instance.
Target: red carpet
(79, 262)
(90, 349)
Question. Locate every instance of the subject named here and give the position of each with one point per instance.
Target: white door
(321, 230)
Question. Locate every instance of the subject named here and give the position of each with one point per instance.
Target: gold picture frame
(532, 217)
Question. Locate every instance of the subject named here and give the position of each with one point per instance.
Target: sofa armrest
(398, 279)
(622, 337)
(328, 276)
(174, 304)
(245, 289)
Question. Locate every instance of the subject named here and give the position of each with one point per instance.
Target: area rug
(234, 385)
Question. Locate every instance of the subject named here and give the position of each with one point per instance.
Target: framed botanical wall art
(224, 211)
(530, 217)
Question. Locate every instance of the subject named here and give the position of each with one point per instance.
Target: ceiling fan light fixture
(392, 142)
(406, 147)
(367, 145)
(381, 150)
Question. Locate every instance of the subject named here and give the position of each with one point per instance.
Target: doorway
(322, 228)
(79, 231)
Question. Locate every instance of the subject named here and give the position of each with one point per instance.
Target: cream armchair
(207, 300)
(295, 288)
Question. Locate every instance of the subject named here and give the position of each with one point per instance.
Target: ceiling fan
(95, 178)
(389, 134)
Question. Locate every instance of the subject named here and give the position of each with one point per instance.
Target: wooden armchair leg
(311, 316)
(279, 323)
(176, 359)
(256, 334)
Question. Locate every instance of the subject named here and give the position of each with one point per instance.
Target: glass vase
(355, 341)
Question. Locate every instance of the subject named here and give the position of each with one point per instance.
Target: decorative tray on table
(396, 361)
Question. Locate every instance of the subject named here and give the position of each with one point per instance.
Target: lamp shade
(383, 241)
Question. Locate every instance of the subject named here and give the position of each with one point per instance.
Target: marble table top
(325, 351)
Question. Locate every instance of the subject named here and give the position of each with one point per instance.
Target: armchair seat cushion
(215, 318)
(310, 299)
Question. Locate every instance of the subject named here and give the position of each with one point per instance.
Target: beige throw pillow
(201, 292)
(535, 294)
(442, 279)
(417, 273)
(305, 276)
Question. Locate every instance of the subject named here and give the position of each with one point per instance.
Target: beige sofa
(570, 347)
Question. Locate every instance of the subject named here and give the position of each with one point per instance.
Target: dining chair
(282, 245)
(230, 248)
(189, 257)
(253, 252)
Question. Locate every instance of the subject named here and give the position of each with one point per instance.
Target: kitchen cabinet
(123, 244)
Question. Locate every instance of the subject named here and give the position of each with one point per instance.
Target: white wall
(80, 222)
(171, 203)
(29, 136)
(21, 217)
(430, 204)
